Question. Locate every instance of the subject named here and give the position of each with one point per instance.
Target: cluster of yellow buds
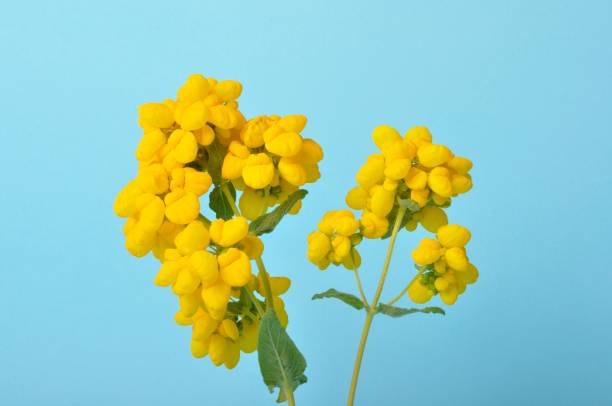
(419, 176)
(269, 161)
(198, 143)
(444, 267)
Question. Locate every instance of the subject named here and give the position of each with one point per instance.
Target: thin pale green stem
(360, 286)
(254, 300)
(372, 309)
(399, 296)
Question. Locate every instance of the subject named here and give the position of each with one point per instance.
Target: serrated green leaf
(347, 298)
(394, 311)
(280, 362)
(266, 223)
(219, 204)
(216, 155)
(410, 205)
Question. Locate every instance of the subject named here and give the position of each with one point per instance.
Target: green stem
(254, 300)
(403, 292)
(289, 395)
(372, 309)
(360, 287)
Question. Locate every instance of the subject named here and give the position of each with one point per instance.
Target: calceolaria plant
(410, 181)
(252, 171)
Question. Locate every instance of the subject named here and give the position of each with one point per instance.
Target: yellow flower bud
(228, 90)
(384, 134)
(416, 179)
(420, 196)
(205, 266)
(319, 246)
(150, 144)
(228, 329)
(234, 267)
(373, 226)
(195, 88)
(372, 172)
(460, 165)
(252, 204)
(182, 207)
(453, 235)
(249, 338)
(418, 292)
(432, 155)
(156, 115)
(433, 218)
(232, 355)
(293, 123)
(252, 246)
(439, 182)
(217, 348)
(357, 197)
(456, 259)
(427, 252)
(199, 349)
(194, 117)
(382, 202)
(230, 232)
(418, 135)
(258, 171)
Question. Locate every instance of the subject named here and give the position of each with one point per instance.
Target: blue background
(522, 88)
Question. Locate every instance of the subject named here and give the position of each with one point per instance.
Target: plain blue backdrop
(522, 88)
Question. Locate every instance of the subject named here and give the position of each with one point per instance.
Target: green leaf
(266, 223)
(410, 205)
(219, 203)
(280, 362)
(216, 155)
(347, 298)
(401, 311)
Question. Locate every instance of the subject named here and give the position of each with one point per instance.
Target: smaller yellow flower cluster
(269, 161)
(206, 270)
(335, 241)
(444, 266)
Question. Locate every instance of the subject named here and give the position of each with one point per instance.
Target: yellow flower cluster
(422, 177)
(190, 144)
(444, 266)
(269, 161)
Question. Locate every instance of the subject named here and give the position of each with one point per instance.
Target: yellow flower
(418, 135)
(216, 297)
(460, 165)
(373, 226)
(252, 203)
(183, 146)
(235, 267)
(416, 179)
(372, 172)
(195, 88)
(150, 144)
(293, 122)
(228, 90)
(258, 171)
(230, 232)
(439, 181)
(282, 143)
(194, 237)
(190, 180)
(432, 155)
(235, 160)
(418, 292)
(319, 246)
(433, 218)
(357, 198)
(383, 134)
(453, 235)
(293, 171)
(205, 266)
(195, 116)
(156, 115)
(456, 259)
(427, 252)
(382, 201)
(182, 207)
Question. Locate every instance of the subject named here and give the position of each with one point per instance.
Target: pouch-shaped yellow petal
(249, 338)
(151, 216)
(357, 198)
(205, 266)
(252, 246)
(193, 238)
(453, 235)
(189, 304)
(286, 144)
(252, 203)
(398, 168)
(382, 202)
(432, 155)
(228, 329)
(215, 298)
(449, 295)
(439, 182)
(230, 232)
(156, 115)
(232, 166)
(341, 247)
(217, 349)
(383, 134)
(420, 196)
(372, 172)
(234, 267)
(195, 116)
(418, 292)
(167, 273)
(186, 281)
(373, 226)
(232, 355)
(223, 117)
(153, 179)
(416, 179)
(197, 182)
(319, 246)
(199, 349)
(182, 207)
(252, 132)
(184, 146)
(427, 252)
(456, 259)
(258, 171)
(228, 90)
(461, 184)
(203, 327)
(344, 223)
(150, 144)
(433, 218)
(460, 165)
(419, 135)
(292, 171)
(311, 152)
(195, 88)
(293, 123)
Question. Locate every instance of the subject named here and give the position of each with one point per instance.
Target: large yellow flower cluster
(191, 144)
(421, 177)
